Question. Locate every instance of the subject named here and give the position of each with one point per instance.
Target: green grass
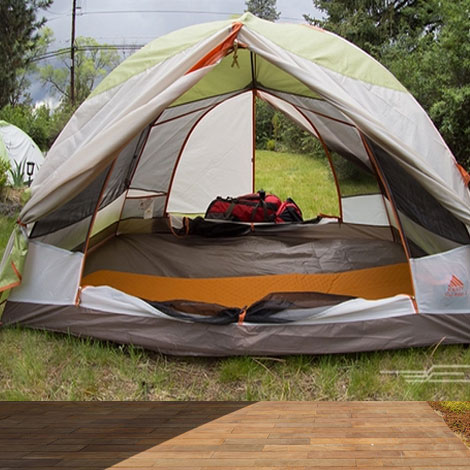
(6, 227)
(456, 406)
(306, 179)
(38, 365)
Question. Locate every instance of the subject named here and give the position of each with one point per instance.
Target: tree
(425, 44)
(92, 62)
(36, 122)
(24, 74)
(265, 9)
(19, 26)
(371, 24)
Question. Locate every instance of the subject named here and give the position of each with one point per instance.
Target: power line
(98, 47)
(190, 12)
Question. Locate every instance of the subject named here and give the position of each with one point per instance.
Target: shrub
(271, 144)
(4, 169)
(17, 175)
(346, 170)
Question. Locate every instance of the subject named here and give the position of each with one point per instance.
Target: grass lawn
(36, 365)
(306, 179)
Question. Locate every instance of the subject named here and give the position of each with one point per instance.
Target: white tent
(172, 128)
(20, 150)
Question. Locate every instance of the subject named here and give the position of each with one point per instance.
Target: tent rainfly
(20, 150)
(170, 129)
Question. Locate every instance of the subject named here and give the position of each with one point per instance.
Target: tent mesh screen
(415, 202)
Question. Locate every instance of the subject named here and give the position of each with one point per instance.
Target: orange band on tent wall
(369, 283)
(464, 173)
(219, 51)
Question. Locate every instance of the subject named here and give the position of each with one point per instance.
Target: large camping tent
(172, 128)
(20, 150)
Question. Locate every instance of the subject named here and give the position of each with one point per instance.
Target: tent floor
(237, 271)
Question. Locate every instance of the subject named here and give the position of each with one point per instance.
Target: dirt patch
(12, 200)
(456, 414)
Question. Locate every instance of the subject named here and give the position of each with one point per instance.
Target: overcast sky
(140, 21)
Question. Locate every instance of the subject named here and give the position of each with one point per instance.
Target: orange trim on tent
(18, 274)
(92, 222)
(219, 51)
(406, 248)
(133, 173)
(330, 161)
(464, 173)
(253, 143)
(241, 317)
(10, 286)
(371, 283)
(13, 284)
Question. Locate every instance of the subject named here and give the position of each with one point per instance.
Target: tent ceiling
(252, 71)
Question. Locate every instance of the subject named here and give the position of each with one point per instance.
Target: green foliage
(295, 139)
(4, 169)
(30, 69)
(275, 131)
(456, 406)
(92, 63)
(19, 39)
(271, 145)
(41, 123)
(17, 174)
(36, 122)
(264, 126)
(372, 24)
(353, 179)
(265, 9)
(425, 44)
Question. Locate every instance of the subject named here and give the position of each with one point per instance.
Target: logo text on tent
(455, 287)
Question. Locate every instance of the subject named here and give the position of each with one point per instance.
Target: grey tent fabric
(196, 339)
(199, 257)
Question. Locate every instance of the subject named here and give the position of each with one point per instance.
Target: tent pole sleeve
(131, 177)
(406, 248)
(92, 222)
(253, 145)
(254, 87)
(330, 161)
(219, 51)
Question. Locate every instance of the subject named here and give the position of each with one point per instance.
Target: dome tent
(172, 128)
(19, 149)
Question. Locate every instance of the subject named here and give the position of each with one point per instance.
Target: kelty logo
(455, 288)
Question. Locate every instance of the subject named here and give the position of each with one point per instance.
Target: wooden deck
(221, 435)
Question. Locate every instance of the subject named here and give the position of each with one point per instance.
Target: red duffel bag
(289, 213)
(256, 207)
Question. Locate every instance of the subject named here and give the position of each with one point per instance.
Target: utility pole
(72, 55)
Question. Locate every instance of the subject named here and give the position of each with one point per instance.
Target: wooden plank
(219, 435)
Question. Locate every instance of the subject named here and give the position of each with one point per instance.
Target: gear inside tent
(20, 150)
(99, 249)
